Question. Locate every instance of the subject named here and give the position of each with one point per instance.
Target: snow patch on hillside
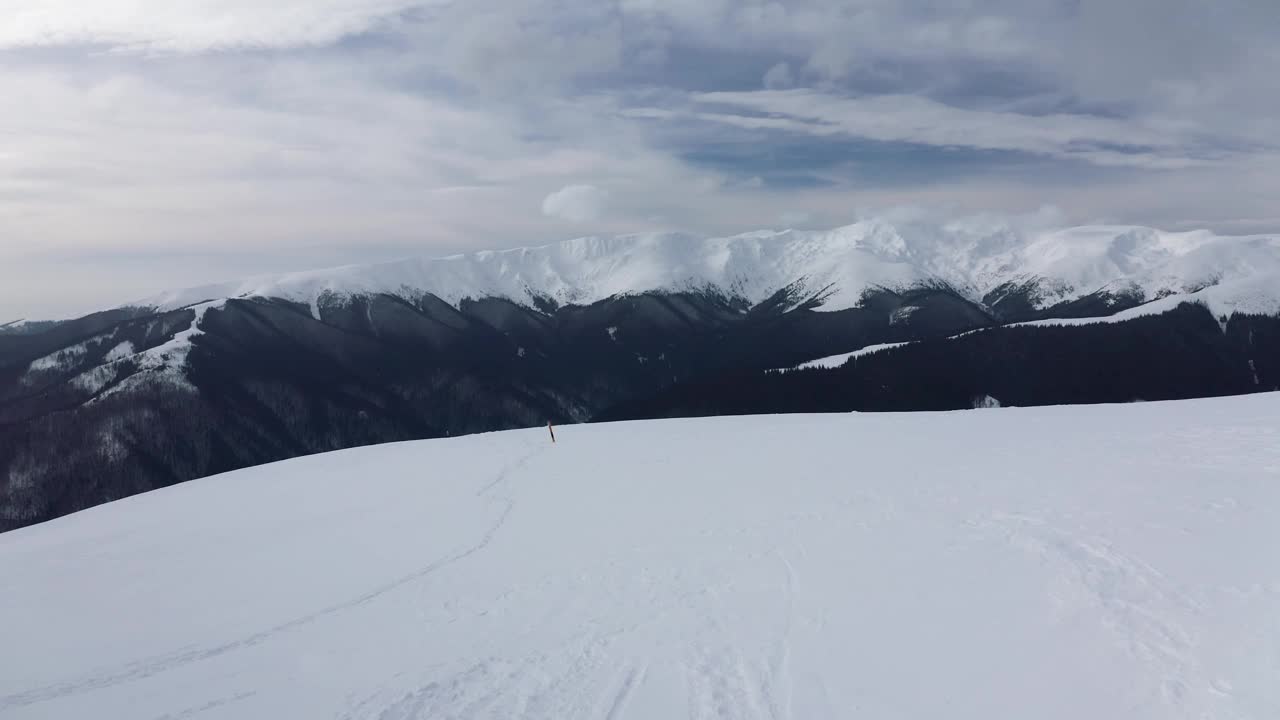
(95, 379)
(986, 402)
(119, 352)
(902, 314)
(834, 361)
(64, 359)
(165, 364)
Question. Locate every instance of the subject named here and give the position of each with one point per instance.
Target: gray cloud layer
(151, 143)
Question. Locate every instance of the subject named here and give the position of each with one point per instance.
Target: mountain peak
(975, 258)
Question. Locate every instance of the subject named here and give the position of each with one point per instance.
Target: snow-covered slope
(834, 361)
(1077, 562)
(837, 266)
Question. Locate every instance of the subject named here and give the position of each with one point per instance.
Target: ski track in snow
(153, 666)
(1132, 597)
(1103, 561)
(619, 703)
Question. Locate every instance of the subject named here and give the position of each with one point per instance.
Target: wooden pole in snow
(552, 431)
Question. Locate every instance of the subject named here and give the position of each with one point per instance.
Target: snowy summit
(980, 261)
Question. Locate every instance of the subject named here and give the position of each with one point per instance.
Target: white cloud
(162, 142)
(576, 203)
(190, 25)
(779, 77)
(915, 119)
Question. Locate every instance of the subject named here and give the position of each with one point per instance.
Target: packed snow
(1073, 562)
(833, 267)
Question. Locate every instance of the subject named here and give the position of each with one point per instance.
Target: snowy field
(1075, 562)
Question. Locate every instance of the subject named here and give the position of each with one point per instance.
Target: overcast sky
(148, 144)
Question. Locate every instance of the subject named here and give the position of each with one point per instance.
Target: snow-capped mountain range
(831, 269)
(220, 377)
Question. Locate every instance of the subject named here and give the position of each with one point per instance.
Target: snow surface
(1253, 296)
(95, 379)
(1049, 563)
(836, 266)
(166, 363)
(120, 352)
(835, 361)
(63, 359)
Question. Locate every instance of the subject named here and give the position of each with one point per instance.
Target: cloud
(794, 218)
(576, 203)
(190, 25)
(180, 141)
(914, 119)
(779, 77)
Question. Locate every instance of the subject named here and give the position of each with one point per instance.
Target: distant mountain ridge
(209, 379)
(832, 269)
